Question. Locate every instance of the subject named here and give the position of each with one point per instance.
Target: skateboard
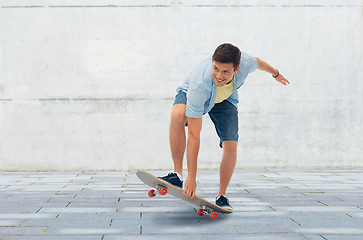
(162, 187)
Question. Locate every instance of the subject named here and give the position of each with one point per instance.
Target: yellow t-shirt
(224, 92)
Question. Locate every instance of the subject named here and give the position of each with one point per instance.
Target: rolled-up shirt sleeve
(248, 64)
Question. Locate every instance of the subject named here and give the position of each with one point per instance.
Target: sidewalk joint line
(295, 221)
(45, 230)
(323, 237)
(348, 215)
(22, 222)
(323, 203)
(272, 208)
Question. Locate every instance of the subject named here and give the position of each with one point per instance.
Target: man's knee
(178, 114)
(229, 146)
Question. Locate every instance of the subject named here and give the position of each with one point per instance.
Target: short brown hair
(227, 53)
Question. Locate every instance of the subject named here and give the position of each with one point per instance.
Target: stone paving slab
(269, 204)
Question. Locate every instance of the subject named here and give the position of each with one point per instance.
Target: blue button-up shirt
(201, 90)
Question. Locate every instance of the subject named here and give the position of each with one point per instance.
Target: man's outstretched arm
(264, 66)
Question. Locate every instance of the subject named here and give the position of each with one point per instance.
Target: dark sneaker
(223, 202)
(173, 178)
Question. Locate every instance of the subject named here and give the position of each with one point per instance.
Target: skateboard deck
(162, 187)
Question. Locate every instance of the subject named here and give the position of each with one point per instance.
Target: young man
(211, 88)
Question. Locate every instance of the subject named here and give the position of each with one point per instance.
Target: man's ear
(236, 70)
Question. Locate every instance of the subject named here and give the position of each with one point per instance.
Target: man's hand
(190, 186)
(282, 80)
(264, 66)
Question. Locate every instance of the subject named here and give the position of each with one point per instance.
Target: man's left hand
(282, 80)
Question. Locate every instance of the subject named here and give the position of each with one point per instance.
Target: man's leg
(228, 164)
(225, 118)
(177, 136)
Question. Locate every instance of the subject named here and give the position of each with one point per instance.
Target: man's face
(222, 73)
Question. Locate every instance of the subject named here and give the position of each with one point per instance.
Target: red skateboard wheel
(200, 212)
(163, 191)
(214, 215)
(152, 193)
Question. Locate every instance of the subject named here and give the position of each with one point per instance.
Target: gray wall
(88, 85)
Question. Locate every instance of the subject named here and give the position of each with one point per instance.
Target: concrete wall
(88, 85)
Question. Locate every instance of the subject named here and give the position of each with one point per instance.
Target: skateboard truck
(207, 211)
(158, 189)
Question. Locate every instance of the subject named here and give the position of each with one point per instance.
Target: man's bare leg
(228, 165)
(177, 136)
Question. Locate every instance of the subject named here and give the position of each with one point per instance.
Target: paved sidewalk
(269, 204)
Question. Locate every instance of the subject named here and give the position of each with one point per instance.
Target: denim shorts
(224, 115)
